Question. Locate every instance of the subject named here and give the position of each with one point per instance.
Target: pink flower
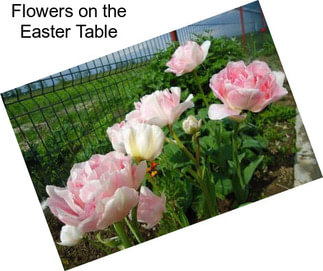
(150, 207)
(115, 133)
(187, 57)
(115, 136)
(161, 107)
(99, 192)
(242, 87)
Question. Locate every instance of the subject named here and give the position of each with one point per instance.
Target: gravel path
(306, 168)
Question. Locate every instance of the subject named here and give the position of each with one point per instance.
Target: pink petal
(150, 207)
(65, 197)
(258, 68)
(117, 207)
(246, 98)
(90, 190)
(140, 172)
(279, 92)
(179, 109)
(221, 111)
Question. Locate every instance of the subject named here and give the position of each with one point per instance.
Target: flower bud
(70, 236)
(191, 125)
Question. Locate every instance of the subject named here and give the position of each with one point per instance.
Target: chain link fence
(62, 119)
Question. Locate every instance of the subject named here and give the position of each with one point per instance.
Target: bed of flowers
(180, 156)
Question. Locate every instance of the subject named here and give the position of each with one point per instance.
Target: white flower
(143, 141)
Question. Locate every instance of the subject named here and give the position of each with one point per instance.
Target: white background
(283, 232)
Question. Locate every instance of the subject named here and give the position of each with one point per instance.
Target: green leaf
(221, 155)
(183, 219)
(112, 242)
(203, 113)
(253, 143)
(223, 186)
(232, 164)
(198, 205)
(250, 169)
(244, 204)
(175, 155)
(208, 142)
(241, 156)
(179, 158)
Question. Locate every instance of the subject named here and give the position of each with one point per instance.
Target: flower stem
(118, 226)
(196, 140)
(170, 208)
(239, 186)
(212, 210)
(153, 183)
(180, 144)
(97, 245)
(197, 79)
(133, 225)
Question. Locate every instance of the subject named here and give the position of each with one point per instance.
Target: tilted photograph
(161, 135)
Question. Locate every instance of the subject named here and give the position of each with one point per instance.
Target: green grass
(56, 129)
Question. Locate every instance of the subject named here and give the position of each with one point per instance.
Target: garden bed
(277, 177)
(197, 165)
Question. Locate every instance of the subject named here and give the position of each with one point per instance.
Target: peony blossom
(115, 136)
(191, 125)
(99, 192)
(187, 57)
(143, 141)
(150, 207)
(161, 107)
(70, 236)
(242, 87)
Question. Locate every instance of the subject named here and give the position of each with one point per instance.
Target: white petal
(280, 77)
(205, 48)
(176, 90)
(189, 99)
(70, 236)
(130, 142)
(221, 111)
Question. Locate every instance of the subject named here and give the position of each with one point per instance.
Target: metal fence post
(173, 35)
(263, 29)
(243, 36)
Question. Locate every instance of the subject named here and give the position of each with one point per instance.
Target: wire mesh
(62, 119)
